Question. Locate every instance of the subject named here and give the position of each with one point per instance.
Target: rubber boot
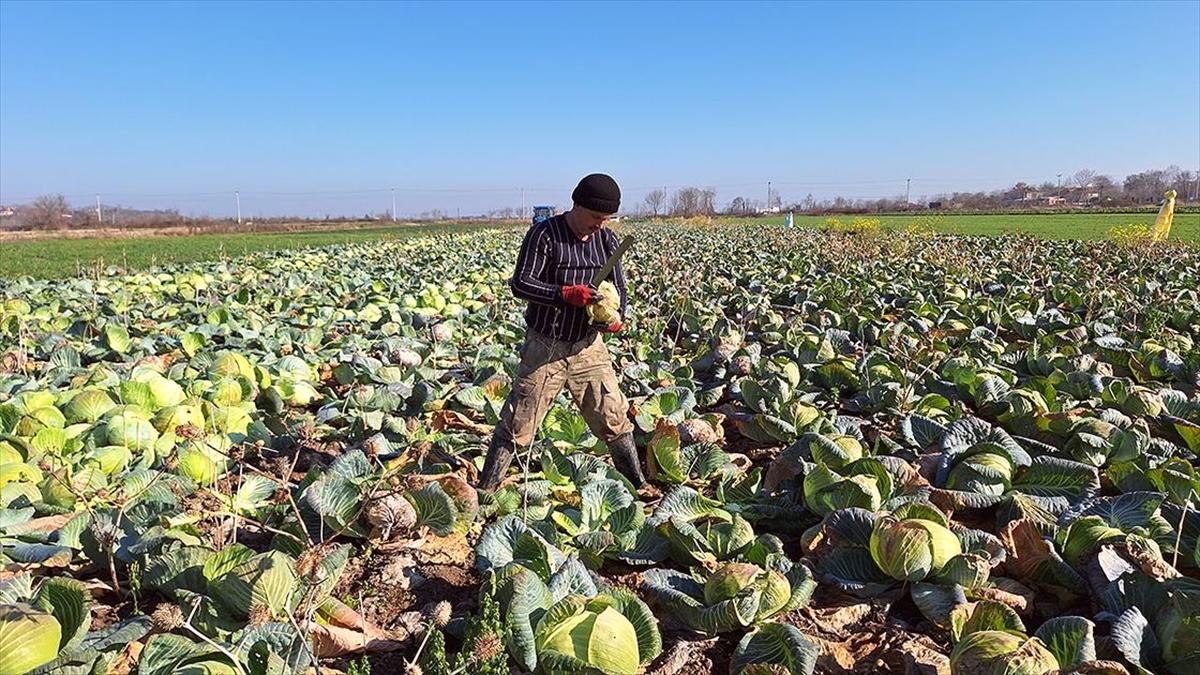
(625, 458)
(499, 458)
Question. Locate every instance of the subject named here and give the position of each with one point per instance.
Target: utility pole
(768, 195)
(393, 205)
(522, 202)
(237, 196)
(1060, 180)
(907, 191)
(99, 217)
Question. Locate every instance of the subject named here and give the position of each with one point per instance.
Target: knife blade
(602, 273)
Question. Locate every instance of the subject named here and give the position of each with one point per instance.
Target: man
(554, 269)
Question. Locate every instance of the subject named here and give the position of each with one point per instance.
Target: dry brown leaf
(923, 657)
(1026, 548)
(779, 472)
(39, 525)
(1010, 593)
(127, 662)
(450, 419)
(330, 640)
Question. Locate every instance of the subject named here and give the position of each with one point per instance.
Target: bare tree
(708, 201)
(655, 200)
(692, 201)
(1185, 184)
(1083, 178)
(684, 201)
(49, 212)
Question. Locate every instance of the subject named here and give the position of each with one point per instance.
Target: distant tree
(49, 212)
(1185, 184)
(1106, 187)
(708, 201)
(810, 202)
(1083, 177)
(1146, 187)
(654, 201)
(1018, 191)
(685, 202)
(738, 206)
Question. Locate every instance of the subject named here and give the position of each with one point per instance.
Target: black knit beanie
(598, 192)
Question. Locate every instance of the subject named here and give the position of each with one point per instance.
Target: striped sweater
(552, 257)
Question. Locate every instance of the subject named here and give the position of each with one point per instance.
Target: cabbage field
(890, 452)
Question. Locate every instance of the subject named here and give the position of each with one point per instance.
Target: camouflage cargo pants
(586, 370)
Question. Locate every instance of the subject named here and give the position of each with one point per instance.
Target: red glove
(578, 295)
(612, 327)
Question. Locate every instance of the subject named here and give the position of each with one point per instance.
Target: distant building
(935, 205)
(1055, 201)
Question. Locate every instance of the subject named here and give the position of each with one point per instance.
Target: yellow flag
(1162, 224)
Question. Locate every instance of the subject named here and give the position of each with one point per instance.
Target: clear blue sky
(141, 99)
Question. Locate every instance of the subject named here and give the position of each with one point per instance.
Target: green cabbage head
(987, 471)
(229, 364)
(1001, 652)
(912, 549)
(88, 406)
(29, 638)
(608, 633)
(132, 431)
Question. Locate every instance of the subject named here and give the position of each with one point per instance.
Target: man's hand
(579, 295)
(612, 327)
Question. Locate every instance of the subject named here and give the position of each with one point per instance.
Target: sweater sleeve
(526, 282)
(619, 278)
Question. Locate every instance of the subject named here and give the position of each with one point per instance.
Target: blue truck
(541, 213)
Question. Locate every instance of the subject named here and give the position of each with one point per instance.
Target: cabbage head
(130, 430)
(913, 548)
(88, 406)
(29, 638)
(229, 364)
(204, 461)
(1003, 653)
(826, 491)
(610, 633)
(294, 368)
(607, 307)
(736, 595)
(987, 470)
(170, 418)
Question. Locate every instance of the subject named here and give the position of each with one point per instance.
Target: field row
(70, 257)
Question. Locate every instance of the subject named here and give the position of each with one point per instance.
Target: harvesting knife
(602, 273)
